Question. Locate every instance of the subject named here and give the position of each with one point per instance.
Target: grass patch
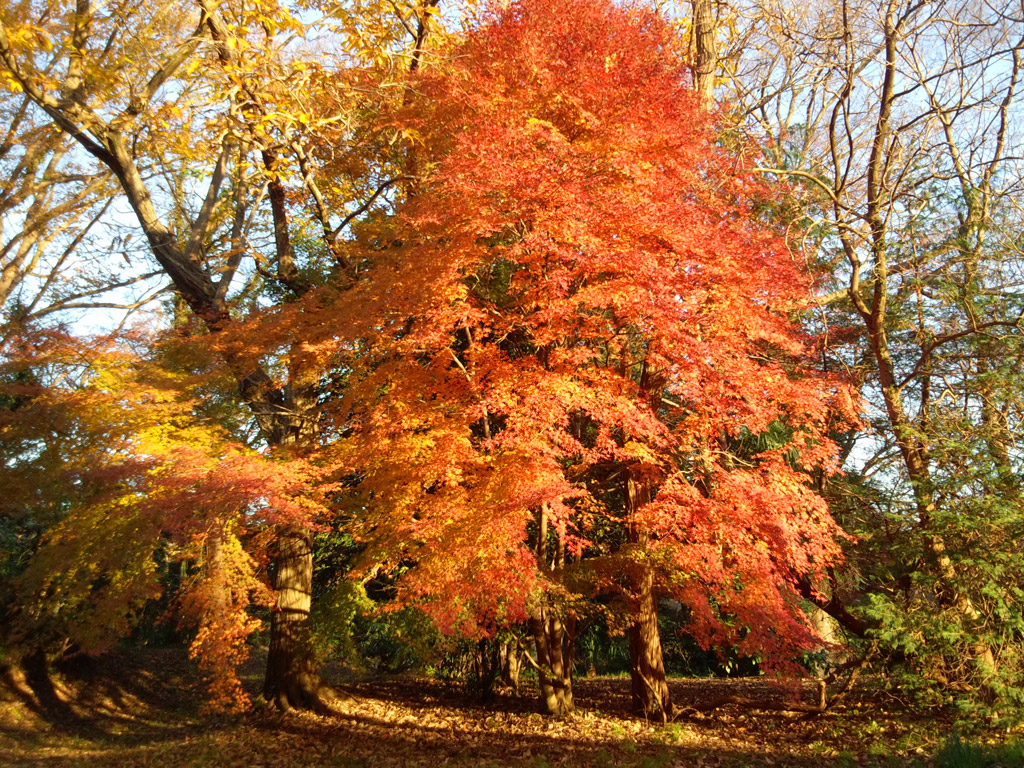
(956, 753)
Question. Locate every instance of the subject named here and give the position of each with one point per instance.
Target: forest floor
(139, 708)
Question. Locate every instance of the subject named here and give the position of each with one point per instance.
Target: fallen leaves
(139, 710)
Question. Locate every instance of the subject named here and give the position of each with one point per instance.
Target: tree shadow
(139, 707)
(117, 698)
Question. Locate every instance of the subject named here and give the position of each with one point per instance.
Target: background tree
(52, 254)
(217, 125)
(131, 475)
(898, 122)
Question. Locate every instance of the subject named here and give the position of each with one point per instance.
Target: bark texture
(291, 680)
(705, 49)
(555, 642)
(646, 662)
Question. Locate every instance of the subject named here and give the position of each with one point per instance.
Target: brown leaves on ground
(139, 709)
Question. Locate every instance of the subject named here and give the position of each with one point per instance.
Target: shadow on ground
(123, 698)
(139, 708)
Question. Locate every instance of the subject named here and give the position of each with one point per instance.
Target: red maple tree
(549, 375)
(578, 320)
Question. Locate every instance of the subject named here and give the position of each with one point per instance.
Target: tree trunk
(291, 679)
(556, 643)
(914, 447)
(487, 665)
(705, 51)
(828, 630)
(646, 662)
(511, 657)
(555, 650)
(284, 414)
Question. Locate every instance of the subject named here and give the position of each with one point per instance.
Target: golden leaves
(141, 476)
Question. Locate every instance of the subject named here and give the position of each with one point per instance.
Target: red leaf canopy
(581, 288)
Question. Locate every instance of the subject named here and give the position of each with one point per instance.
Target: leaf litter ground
(140, 708)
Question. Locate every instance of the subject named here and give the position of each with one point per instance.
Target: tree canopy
(489, 313)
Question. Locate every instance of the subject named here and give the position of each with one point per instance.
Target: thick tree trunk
(646, 662)
(555, 650)
(291, 679)
(828, 630)
(555, 641)
(287, 420)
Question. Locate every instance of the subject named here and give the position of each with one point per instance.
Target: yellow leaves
(30, 37)
(24, 41)
(123, 476)
(11, 83)
(641, 452)
(375, 31)
(535, 122)
(276, 20)
(94, 571)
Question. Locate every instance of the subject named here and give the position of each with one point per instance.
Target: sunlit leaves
(135, 477)
(579, 292)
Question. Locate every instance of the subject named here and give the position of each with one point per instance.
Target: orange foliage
(580, 288)
(136, 472)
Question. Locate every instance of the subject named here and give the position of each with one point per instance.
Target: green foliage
(336, 616)
(358, 623)
(916, 609)
(603, 652)
(397, 641)
(351, 628)
(956, 753)
(17, 542)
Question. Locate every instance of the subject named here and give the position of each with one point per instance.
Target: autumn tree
(53, 253)
(237, 134)
(898, 120)
(116, 452)
(572, 326)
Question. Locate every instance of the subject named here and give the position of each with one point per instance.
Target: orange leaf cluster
(580, 289)
(111, 451)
